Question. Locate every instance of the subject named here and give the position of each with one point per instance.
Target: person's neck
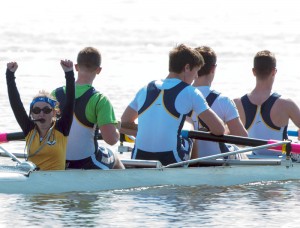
(176, 75)
(43, 130)
(261, 92)
(85, 79)
(204, 80)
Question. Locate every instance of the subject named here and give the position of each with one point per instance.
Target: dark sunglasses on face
(45, 110)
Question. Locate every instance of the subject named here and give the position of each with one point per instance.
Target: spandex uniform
(259, 123)
(91, 109)
(48, 153)
(162, 108)
(226, 110)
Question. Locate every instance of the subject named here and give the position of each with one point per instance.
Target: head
(89, 60)
(186, 62)
(182, 56)
(264, 64)
(210, 59)
(43, 109)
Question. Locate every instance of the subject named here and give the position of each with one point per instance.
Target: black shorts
(103, 158)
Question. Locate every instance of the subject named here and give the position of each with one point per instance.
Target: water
(134, 38)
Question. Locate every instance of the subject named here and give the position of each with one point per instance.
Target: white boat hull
(44, 182)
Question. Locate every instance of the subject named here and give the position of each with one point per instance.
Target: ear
(254, 71)
(76, 67)
(98, 70)
(54, 114)
(213, 69)
(187, 67)
(274, 72)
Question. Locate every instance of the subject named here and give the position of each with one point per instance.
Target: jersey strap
(80, 104)
(210, 99)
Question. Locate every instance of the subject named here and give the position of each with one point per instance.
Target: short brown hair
(210, 59)
(182, 55)
(89, 57)
(264, 63)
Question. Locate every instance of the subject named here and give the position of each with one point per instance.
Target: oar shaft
(224, 138)
(295, 147)
(6, 137)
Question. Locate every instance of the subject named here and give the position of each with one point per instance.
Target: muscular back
(282, 110)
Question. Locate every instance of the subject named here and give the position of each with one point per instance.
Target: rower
(264, 113)
(222, 105)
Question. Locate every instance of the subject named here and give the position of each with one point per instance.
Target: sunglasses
(45, 110)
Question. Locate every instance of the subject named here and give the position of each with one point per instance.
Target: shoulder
(57, 90)
(192, 93)
(193, 90)
(285, 102)
(225, 101)
(237, 100)
(99, 99)
(238, 103)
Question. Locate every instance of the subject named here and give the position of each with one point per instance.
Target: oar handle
(5, 137)
(295, 147)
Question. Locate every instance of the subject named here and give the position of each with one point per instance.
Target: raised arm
(67, 113)
(15, 99)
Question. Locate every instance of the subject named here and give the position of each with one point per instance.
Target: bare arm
(240, 109)
(110, 134)
(127, 119)
(294, 113)
(195, 150)
(214, 123)
(236, 127)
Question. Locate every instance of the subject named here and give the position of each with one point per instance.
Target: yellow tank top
(48, 153)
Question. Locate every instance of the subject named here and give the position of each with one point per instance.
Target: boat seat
(136, 163)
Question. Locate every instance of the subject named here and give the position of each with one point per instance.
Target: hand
(12, 66)
(67, 65)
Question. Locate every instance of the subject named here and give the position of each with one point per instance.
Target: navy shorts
(103, 158)
(167, 157)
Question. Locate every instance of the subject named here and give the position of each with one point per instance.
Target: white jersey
(259, 124)
(162, 107)
(226, 109)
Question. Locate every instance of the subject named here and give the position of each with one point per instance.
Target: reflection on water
(259, 204)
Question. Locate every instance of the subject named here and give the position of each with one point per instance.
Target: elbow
(112, 140)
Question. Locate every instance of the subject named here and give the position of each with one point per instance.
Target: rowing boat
(141, 173)
(208, 171)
